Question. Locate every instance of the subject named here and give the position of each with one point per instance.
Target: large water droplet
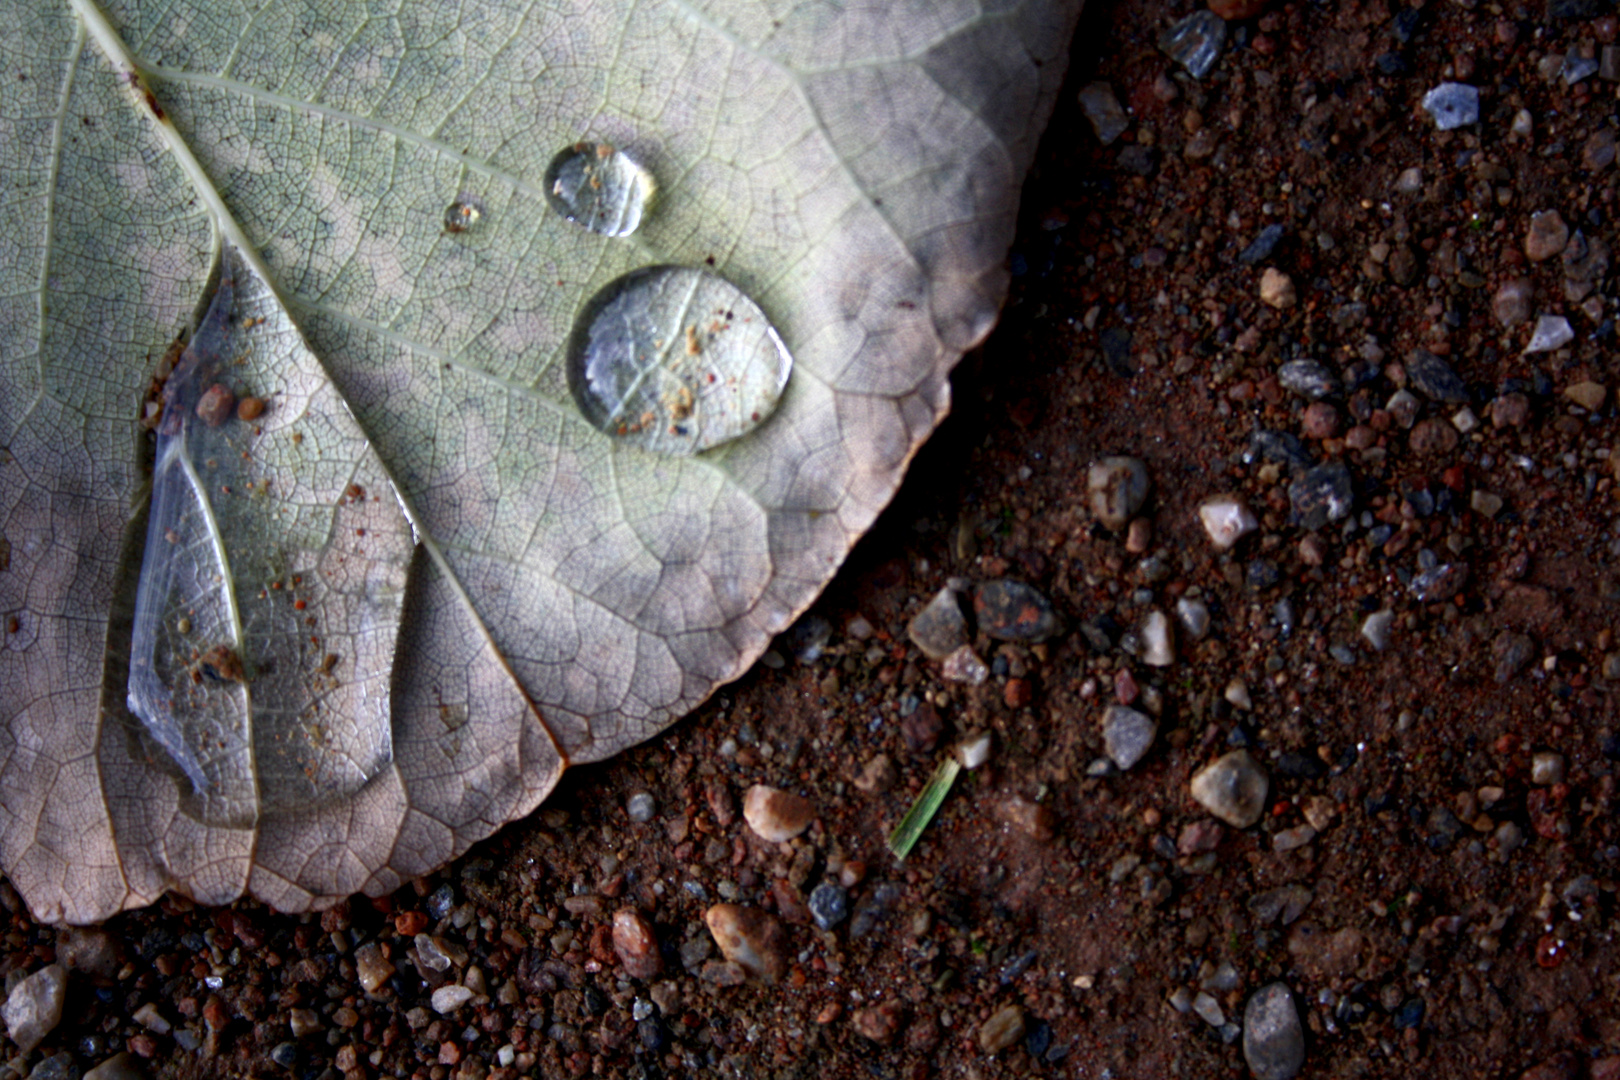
(597, 186)
(675, 360)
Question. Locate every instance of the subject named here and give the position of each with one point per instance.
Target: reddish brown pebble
(250, 408)
(635, 944)
(214, 1014)
(410, 923)
(1361, 437)
(750, 939)
(1320, 420)
(1233, 10)
(215, 406)
(1017, 693)
(880, 1023)
(1433, 436)
(1032, 819)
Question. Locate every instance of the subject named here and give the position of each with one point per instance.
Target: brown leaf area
(1458, 885)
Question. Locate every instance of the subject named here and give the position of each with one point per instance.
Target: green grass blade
(905, 834)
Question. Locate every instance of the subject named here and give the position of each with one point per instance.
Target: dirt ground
(1433, 872)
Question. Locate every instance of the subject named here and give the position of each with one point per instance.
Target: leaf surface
(325, 648)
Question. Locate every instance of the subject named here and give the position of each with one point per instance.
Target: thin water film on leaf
(676, 360)
(268, 604)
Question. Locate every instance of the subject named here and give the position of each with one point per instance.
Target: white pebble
(1226, 519)
(1158, 640)
(447, 999)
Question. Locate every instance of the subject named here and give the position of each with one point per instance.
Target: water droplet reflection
(464, 214)
(599, 187)
(675, 360)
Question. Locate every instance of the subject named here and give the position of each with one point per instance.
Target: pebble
(56, 1067)
(636, 944)
(640, 807)
(1197, 837)
(1277, 289)
(1004, 1028)
(1321, 495)
(34, 1006)
(1289, 839)
(1310, 379)
(1510, 410)
(1101, 106)
(1194, 617)
(1434, 378)
(1452, 105)
(1195, 42)
(1127, 735)
(776, 815)
(879, 1023)
(1375, 628)
(1439, 583)
(447, 999)
(1403, 407)
(1511, 304)
(1237, 695)
(1158, 640)
(1320, 420)
(749, 938)
(829, 905)
(1233, 788)
(1260, 249)
(1598, 152)
(964, 666)
(1226, 519)
(1273, 1039)
(371, 967)
(940, 628)
(1546, 237)
(151, 1019)
(1510, 653)
(1484, 503)
(1009, 610)
(1433, 437)
(121, 1066)
(1116, 487)
(1551, 332)
(1546, 768)
(1588, 395)
(1208, 1009)
(973, 752)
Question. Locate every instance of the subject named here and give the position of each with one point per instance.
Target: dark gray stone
(1434, 378)
(1273, 1039)
(1321, 495)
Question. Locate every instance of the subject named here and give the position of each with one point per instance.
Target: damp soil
(1433, 876)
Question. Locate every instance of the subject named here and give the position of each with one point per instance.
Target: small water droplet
(464, 214)
(599, 187)
(675, 360)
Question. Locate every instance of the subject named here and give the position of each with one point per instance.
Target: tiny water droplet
(675, 360)
(599, 187)
(464, 214)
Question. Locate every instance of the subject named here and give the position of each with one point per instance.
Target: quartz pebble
(1277, 289)
(1546, 768)
(1194, 617)
(34, 1006)
(1233, 788)
(1158, 640)
(447, 999)
(121, 1066)
(1273, 1039)
(1452, 105)
(1127, 735)
(1195, 42)
(1226, 519)
(1310, 379)
(776, 815)
(940, 628)
(964, 666)
(1116, 488)
(749, 938)
(1551, 332)
(1375, 628)
(640, 807)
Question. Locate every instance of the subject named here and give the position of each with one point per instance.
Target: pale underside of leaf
(533, 594)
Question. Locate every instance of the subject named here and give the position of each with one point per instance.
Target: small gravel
(1127, 735)
(1452, 105)
(829, 905)
(776, 815)
(940, 628)
(33, 1008)
(1117, 487)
